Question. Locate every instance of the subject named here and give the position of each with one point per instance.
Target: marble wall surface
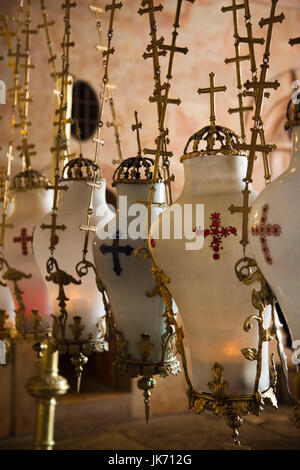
(208, 34)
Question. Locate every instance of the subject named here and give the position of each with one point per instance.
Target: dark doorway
(85, 110)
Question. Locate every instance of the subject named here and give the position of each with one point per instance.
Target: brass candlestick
(46, 386)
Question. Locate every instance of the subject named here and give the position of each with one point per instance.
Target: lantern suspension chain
(60, 145)
(109, 87)
(162, 94)
(46, 24)
(52, 57)
(14, 94)
(106, 53)
(248, 24)
(14, 60)
(26, 149)
(251, 41)
(154, 50)
(258, 86)
(241, 109)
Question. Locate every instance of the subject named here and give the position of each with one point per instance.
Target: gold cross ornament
(212, 90)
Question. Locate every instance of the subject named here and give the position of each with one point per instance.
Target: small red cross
(218, 232)
(23, 239)
(264, 230)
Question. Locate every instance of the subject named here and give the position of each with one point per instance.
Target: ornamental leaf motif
(76, 328)
(200, 405)
(218, 385)
(250, 353)
(145, 347)
(120, 345)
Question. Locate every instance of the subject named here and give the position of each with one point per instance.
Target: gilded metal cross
(53, 227)
(149, 7)
(234, 7)
(212, 90)
(270, 23)
(245, 209)
(136, 127)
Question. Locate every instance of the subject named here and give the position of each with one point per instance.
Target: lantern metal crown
(80, 169)
(137, 169)
(28, 179)
(134, 170)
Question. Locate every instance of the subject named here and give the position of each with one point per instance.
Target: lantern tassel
(79, 361)
(146, 384)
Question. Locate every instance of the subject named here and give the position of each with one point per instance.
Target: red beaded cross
(23, 239)
(264, 230)
(218, 232)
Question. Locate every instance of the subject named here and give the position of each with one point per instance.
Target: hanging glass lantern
(7, 308)
(7, 317)
(274, 225)
(230, 360)
(28, 287)
(143, 341)
(79, 326)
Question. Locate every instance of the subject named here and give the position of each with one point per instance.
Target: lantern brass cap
(212, 135)
(28, 179)
(80, 168)
(135, 170)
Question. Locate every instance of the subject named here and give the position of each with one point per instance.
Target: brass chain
(26, 149)
(109, 87)
(107, 51)
(14, 62)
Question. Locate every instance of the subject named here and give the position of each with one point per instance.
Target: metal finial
(146, 384)
(79, 361)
